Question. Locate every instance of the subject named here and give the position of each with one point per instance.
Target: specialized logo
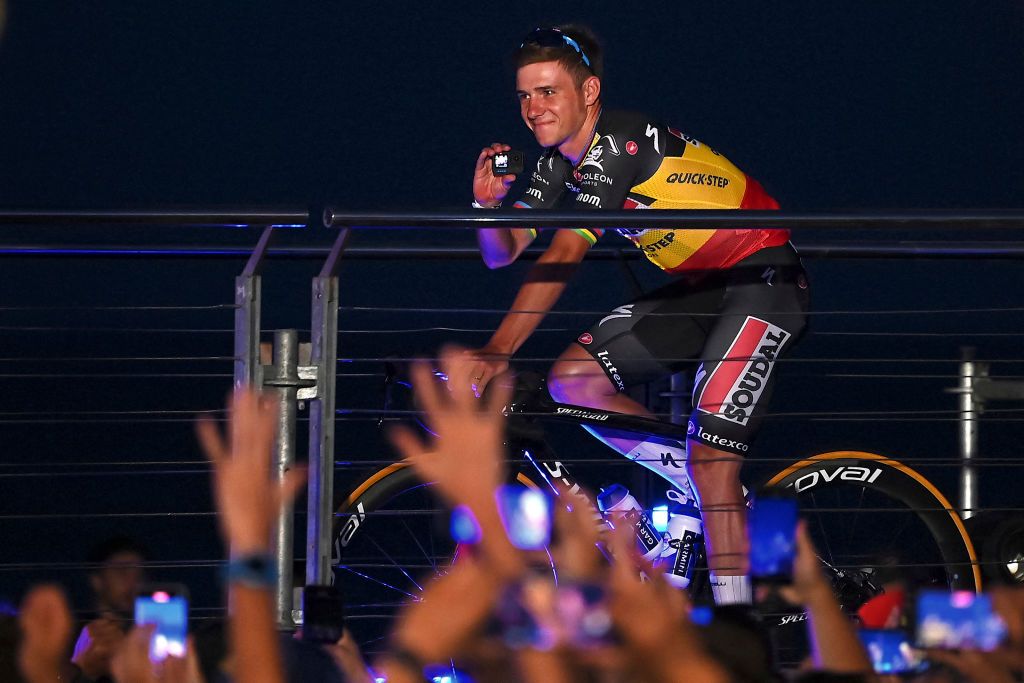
(709, 179)
(585, 338)
(735, 386)
(618, 312)
(769, 276)
(631, 148)
(669, 460)
(585, 414)
(610, 368)
(793, 618)
(808, 481)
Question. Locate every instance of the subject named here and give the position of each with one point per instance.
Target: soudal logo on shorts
(735, 386)
(585, 338)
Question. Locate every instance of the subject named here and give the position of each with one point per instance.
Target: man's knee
(576, 376)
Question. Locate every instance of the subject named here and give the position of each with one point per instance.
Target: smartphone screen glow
(169, 613)
(772, 531)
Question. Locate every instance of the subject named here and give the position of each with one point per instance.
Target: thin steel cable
(690, 359)
(391, 412)
(64, 309)
(112, 359)
(113, 375)
(132, 330)
(504, 311)
(571, 330)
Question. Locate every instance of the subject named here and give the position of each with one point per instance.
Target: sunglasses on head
(552, 37)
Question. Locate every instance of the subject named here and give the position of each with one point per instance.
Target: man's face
(551, 104)
(118, 581)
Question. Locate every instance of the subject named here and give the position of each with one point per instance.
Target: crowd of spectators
(657, 637)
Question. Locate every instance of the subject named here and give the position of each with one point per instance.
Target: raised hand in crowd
(835, 646)
(96, 645)
(466, 457)
(349, 659)
(248, 499)
(131, 662)
(46, 632)
(1005, 663)
(653, 619)
(444, 622)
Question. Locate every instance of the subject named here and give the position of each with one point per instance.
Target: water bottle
(685, 531)
(615, 502)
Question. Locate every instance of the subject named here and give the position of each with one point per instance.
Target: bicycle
(390, 528)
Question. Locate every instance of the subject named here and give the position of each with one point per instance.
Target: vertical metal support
(283, 377)
(679, 393)
(324, 357)
(970, 408)
(248, 304)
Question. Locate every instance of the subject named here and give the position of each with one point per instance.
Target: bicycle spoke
(397, 566)
(379, 582)
(824, 533)
(430, 557)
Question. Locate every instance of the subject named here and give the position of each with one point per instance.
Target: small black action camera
(507, 163)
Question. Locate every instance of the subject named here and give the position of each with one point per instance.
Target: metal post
(679, 395)
(971, 406)
(283, 377)
(248, 287)
(324, 357)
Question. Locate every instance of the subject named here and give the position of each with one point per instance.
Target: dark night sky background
(862, 105)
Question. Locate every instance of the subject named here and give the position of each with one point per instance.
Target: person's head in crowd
(117, 574)
(738, 641)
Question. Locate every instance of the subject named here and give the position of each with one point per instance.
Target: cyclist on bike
(737, 303)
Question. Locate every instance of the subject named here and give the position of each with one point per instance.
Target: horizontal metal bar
(674, 218)
(241, 217)
(965, 250)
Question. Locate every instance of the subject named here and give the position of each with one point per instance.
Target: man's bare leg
(716, 478)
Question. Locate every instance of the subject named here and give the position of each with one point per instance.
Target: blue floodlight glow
(659, 517)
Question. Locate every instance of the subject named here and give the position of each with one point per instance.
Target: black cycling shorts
(735, 322)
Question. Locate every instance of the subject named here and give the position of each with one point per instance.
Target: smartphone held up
(165, 607)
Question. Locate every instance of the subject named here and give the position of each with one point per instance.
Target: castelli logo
(585, 338)
(631, 147)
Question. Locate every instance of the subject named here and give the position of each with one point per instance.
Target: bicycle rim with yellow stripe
(867, 512)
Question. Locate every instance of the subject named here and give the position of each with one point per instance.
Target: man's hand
(96, 646)
(808, 578)
(248, 498)
(483, 365)
(466, 458)
(488, 189)
(46, 629)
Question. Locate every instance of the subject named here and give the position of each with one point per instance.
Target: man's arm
(501, 246)
(543, 286)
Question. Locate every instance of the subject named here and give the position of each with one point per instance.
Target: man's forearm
(501, 246)
(254, 635)
(543, 286)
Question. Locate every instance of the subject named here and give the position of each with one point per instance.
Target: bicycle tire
(824, 481)
(379, 565)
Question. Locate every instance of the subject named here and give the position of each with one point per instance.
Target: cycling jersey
(633, 163)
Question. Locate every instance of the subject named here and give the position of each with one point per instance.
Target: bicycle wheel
(868, 513)
(391, 536)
